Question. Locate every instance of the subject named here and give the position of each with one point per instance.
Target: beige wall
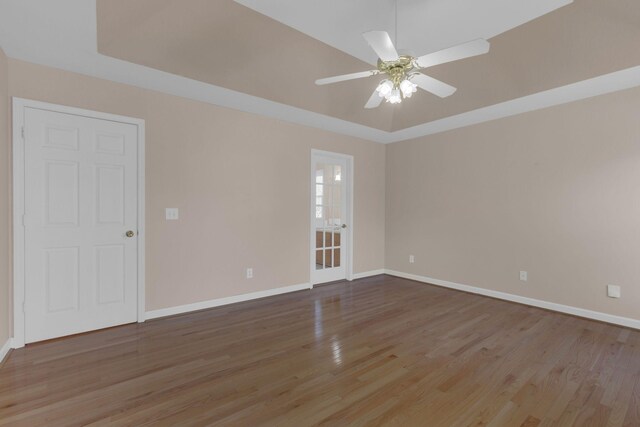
(554, 192)
(241, 183)
(5, 205)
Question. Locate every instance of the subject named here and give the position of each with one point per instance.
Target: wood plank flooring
(378, 351)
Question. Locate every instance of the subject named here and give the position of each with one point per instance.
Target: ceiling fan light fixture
(403, 76)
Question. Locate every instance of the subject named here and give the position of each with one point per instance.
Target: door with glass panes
(329, 218)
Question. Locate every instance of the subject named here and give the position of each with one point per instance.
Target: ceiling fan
(402, 71)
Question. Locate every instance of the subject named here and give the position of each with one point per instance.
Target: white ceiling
(424, 26)
(62, 34)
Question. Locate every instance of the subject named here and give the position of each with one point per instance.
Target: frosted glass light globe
(384, 88)
(394, 97)
(408, 88)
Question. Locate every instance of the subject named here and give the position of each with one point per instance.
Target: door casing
(312, 205)
(19, 105)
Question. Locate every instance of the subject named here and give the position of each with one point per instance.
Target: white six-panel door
(80, 225)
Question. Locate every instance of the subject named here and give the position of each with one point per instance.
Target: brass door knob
(130, 233)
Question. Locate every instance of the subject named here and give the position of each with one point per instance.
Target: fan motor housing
(397, 70)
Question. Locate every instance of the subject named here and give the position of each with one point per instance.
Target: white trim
(27, 35)
(349, 176)
(350, 206)
(19, 104)
(311, 216)
(368, 274)
(202, 305)
(18, 226)
(141, 221)
(8, 345)
(575, 311)
(607, 83)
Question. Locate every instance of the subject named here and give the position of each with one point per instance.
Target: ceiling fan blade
(381, 43)
(374, 101)
(432, 85)
(461, 51)
(344, 77)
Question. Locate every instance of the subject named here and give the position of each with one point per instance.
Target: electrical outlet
(171, 214)
(249, 273)
(412, 259)
(523, 276)
(613, 291)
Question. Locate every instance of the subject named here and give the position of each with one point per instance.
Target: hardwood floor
(378, 351)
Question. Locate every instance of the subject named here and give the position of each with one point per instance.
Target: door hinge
(24, 220)
(24, 306)
(22, 131)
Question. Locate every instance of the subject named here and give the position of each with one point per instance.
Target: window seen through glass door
(328, 196)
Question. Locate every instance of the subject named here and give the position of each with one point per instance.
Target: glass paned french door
(329, 221)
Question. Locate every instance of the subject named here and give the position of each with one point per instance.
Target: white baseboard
(5, 349)
(367, 274)
(170, 311)
(580, 312)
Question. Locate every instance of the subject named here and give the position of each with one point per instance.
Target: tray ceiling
(227, 44)
(265, 60)
(423, 26)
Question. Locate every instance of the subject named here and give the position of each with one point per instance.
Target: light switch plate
(171, 214)
(613, 291)
(523, 276)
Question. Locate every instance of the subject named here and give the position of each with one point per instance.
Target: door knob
(344, 225)
(129, 233)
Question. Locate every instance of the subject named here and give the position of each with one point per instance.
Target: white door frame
(312, 209)
(19, 106)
